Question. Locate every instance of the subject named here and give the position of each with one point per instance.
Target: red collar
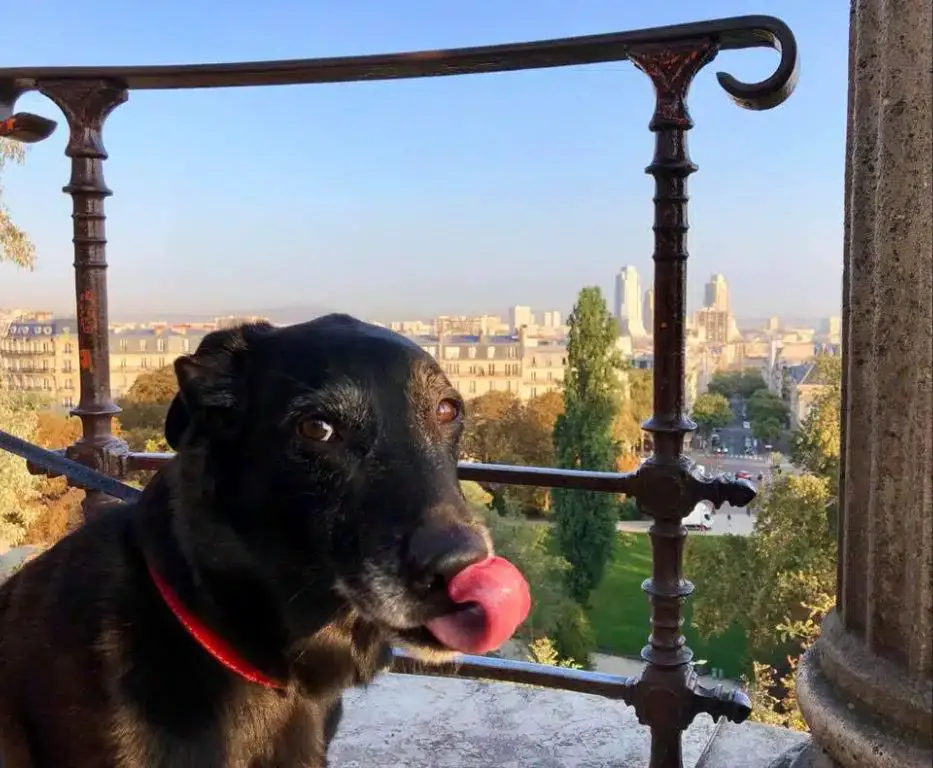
(210, 641)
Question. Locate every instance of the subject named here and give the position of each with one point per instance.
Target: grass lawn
(619, 616)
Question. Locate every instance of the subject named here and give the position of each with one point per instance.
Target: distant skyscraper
(717, 293)
(832, 327)
(628, 304)
(520, 316)
(647, 314)
(551, 319)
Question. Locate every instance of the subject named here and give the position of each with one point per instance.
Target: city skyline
(477, 193)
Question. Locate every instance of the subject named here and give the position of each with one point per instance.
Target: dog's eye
(448, 411)
(317, 430)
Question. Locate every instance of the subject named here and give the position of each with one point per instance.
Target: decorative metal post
(86, 105)
(668, 697)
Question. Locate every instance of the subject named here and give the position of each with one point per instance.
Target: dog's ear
(212, 385)
(177, 420)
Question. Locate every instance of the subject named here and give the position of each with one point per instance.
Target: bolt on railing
(666, 697)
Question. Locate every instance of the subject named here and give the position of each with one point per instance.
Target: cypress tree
(585, 521)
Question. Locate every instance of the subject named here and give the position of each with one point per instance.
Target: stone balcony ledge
(411, 721)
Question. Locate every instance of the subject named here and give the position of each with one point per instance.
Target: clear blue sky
(410, 198)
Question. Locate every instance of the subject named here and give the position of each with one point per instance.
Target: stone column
(867, 686)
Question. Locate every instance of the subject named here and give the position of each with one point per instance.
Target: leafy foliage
(58, 503)
(158, 386)
(501, 429)
(544, 651)
(762, 581)
(776, 583)
(711, 411)
(15, 245)
(732, 383)
(583, 439)
(144, 408)
(816, 445)
(634, 409)
(768, 414)
(19, 493)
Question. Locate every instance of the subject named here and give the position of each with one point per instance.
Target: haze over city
(412, 199)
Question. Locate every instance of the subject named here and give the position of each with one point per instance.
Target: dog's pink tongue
(498, 599)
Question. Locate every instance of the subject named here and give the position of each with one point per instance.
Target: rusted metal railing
(666, 697)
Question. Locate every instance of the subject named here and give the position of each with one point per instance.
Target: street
(727, 519)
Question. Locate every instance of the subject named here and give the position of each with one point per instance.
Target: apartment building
(41, 357)
(478, 364)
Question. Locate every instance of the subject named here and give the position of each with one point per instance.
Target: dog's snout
(438, 554)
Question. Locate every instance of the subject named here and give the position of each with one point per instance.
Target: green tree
(731, 383)
(635, 405)
(18, 415)
(15, 245)
(530, 430)
(711, 411)
(768, 414)
(583, 439)
(816, 445)
(486, 436)
(157, 386)
(762, 580)
(776, 584)
(144, 407)
(19, 490)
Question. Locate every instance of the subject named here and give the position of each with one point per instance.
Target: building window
(144, 362)
(46, 384)
(66, 366)
(511, 351)
(142, 345)
(69, 348)
(67, 402)
(68, 384)
(492, 370)
(124, 345)
(122, 363)
(471, 352)
(160, 345)
(534, 375)
(472, 386)
(161, 361)
(490, 352)
(451, 353)
(185, 345)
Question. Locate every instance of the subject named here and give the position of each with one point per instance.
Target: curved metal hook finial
(21, 126)
(776, 89)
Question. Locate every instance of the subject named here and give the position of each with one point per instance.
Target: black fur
(297, 552)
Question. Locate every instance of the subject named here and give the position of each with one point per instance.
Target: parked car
(743, 475)
(701, 518)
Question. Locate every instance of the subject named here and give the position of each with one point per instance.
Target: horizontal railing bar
(506, 474)
(522, 672)
(731, 33)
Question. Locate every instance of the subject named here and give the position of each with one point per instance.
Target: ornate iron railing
(666, 696)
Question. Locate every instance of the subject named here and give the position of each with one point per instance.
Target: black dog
(311, 519)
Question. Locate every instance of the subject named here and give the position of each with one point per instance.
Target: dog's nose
(439, 554)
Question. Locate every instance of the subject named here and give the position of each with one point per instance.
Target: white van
(701, 518)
